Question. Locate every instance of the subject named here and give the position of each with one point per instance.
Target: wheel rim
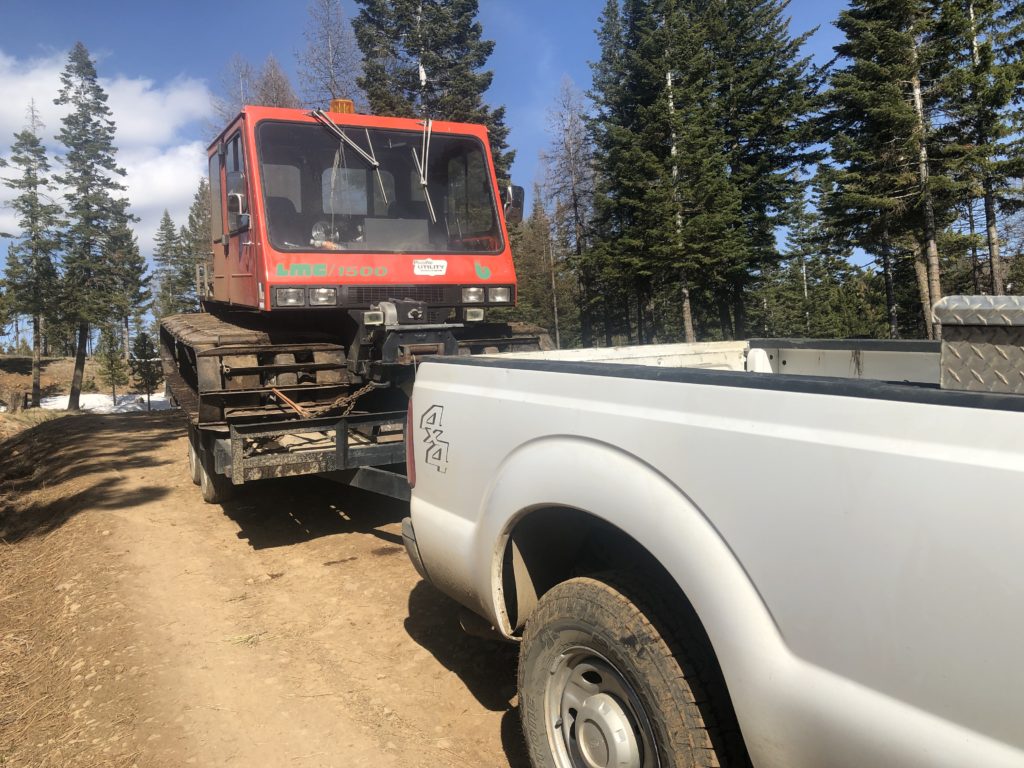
(594, 716)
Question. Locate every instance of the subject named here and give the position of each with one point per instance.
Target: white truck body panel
(853, 549)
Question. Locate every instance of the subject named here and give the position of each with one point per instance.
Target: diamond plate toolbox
(982, 343)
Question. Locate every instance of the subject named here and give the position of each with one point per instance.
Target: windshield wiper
(421, 166)
(370, 157)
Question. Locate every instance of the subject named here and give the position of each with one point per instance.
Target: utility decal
(483, 272)
(437, 446)
(429, 267)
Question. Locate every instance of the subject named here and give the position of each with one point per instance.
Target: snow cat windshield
(370, 190)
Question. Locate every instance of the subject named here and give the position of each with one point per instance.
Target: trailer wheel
(608, 677)
(216, 489)
(193, 455)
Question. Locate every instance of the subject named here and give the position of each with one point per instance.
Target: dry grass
(38, 723)
(13, 423)
(43, 597)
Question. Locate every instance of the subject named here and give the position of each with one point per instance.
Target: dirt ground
(142, 627)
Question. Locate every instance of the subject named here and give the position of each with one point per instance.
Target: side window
(237, 188)
(469, 199)
(283, 181)
(216, 200)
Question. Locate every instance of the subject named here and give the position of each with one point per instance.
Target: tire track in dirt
(284, 629)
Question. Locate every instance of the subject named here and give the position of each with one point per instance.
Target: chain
(348, 402)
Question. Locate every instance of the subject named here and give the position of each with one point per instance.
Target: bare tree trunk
(641, 332)
(990, 203)
(739, 312)
(724, 319)
(37, 362)
(994, 260)
(921, 270)
(586, 317)
(688, 333)
(975, 277)
(127, 340)
(554, 294)
(76, 377)
(931, 246)
(890, 294)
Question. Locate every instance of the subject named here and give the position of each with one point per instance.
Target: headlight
(323, 296)
(373, 317)
(291, 297)
(499, 295)
(473, 295)
(474, 314)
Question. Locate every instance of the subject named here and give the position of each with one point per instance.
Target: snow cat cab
(345, 247)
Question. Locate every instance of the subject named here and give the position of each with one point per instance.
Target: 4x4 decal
(437, 446)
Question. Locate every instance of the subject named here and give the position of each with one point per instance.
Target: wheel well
(552, 544)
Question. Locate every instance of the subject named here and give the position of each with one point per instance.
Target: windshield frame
(313, 124)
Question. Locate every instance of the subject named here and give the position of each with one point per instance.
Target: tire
(193, 455)
(216, 489)
(609, 676)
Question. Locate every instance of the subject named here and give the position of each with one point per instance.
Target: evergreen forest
(712, 182)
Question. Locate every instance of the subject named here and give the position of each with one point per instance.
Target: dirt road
(286, 628)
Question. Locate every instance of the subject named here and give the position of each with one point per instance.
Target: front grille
(365, 295)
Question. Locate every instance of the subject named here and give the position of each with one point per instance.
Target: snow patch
(97, 403)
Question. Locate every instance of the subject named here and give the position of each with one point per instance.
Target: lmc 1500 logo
(437, 446)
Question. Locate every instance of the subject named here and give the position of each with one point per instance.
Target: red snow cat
(345, 247)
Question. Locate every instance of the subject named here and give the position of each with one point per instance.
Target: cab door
(234, 267)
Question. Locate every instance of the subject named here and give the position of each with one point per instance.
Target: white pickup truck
(786, 553)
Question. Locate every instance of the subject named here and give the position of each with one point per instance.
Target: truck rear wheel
(216, 488)
(607, 677)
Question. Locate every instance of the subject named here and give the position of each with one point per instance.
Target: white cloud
(158, 129)
(167, 179)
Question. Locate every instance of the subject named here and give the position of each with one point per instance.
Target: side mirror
(515, 198)
(236, 202)
(238, 206)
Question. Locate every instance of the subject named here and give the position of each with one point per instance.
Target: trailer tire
(608, 676)
(216, 488)
(193, 455)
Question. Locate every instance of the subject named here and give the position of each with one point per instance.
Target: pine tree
(90, 178)
(331, 62)
(196, 240)
(765, 92)
(110, 361)
(131, 295)
(886, 189)
(701, 129)
(442, 39)
(145, 366)
(31, 273)
(978, 72)
(174, 270)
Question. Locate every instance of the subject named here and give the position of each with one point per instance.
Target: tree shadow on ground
(287, 511)
(487, 667)
(57, 469)
(22, 365)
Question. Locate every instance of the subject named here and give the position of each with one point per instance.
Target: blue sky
(159, 62)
